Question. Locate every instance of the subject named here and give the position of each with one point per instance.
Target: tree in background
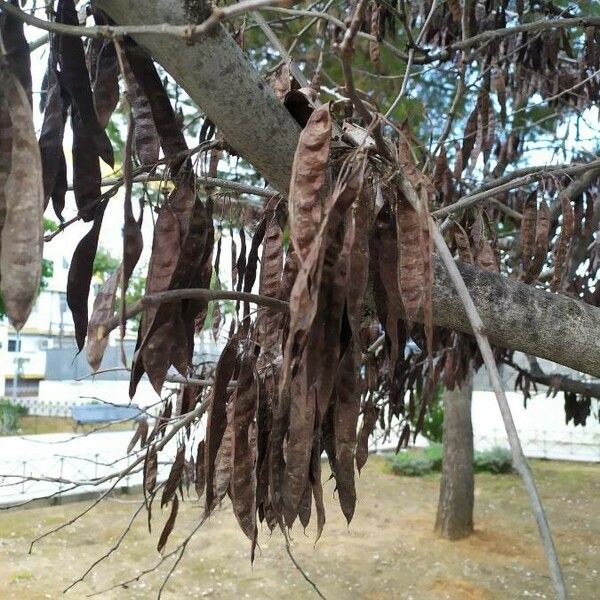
(454, 518)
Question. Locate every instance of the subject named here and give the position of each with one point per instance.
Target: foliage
(419, 462)
(10, 414)
(433, 422)
(436, 133)
(104, 264)
(495, 460)
(435, 452)
(410, 464)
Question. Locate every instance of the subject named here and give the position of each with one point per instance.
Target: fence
(39, 475)
(47, 408)
(555, 444)
(565, 444)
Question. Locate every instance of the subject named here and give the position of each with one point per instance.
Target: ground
(388, 552)
(33, 424)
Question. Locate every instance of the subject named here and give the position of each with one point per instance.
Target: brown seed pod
(22, 234)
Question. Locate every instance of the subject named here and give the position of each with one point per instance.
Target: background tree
(454, 518)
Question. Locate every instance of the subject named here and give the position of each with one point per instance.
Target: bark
(217, 76)
(455, 504)
(521, 317)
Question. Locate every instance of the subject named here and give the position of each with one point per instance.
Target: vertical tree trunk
(455, 505)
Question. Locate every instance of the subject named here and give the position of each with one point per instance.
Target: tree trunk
(219, 78)
(455, 505)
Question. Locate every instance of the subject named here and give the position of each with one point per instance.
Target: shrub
(497, 460)
(416, 463)
(410, 464)
(434, 453)
(10, 414)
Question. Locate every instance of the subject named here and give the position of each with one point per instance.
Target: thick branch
(518, 316)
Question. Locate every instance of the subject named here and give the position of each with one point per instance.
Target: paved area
(33, 466)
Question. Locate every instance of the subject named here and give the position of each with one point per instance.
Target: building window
(13, 347)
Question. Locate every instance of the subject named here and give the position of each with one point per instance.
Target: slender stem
(189, 32)
(235, 186)
(508, 182)
(519, 460)
(176, 295)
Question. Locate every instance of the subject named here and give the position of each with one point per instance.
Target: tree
(368, 196)
(104, 264)
(457, 488)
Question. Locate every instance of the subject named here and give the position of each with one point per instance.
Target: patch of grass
(419, 462)
(21, 576)
(410, 464)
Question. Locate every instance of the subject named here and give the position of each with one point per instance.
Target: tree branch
(176, 295)
(217, 75)
(219, 78)
(190, 33)
(557, 381)
(514, 180)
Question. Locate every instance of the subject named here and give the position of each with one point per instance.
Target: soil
(389, 550)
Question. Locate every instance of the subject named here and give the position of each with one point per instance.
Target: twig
(182, 548)
(270, 34)
(347, 52)
(31, 500)
(519, 460)
(113, 548)
(205, 294)
(236, 186)
(169, 378)
(186, 420)
(76, 517)
(298, 567)
(411, 55)
(190, 33)
(346, 48)
(557, 381)
(314, 14)
(156, 566)
(510, 183)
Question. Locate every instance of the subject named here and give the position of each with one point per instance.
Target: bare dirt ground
(389, 551)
